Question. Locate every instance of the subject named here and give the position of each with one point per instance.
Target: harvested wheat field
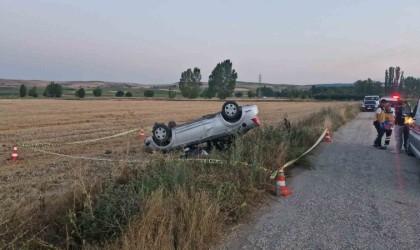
(38, 175)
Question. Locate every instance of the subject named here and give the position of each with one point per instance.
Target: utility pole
(260, 90)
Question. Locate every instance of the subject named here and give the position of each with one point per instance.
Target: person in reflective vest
(379, 124)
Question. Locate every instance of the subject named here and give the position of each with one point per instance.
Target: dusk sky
(295, 42)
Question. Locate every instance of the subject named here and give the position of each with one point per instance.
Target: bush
(149, 93)
(119, 93)
(33, 92)
(239, 94)
(97, 92)
(80, 93)
(53, 90)
(251, 94)
(128, 94)
(171, 93)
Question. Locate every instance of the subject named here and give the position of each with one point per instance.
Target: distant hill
(245, 86)
(240, 85)
(70, 84)
(334, 84)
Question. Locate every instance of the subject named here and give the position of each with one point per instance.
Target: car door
(215, 127)
(190, 133)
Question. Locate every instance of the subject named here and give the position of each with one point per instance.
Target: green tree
(391, 74)
(22, 90)
(53, 90)
(222, 80)
(190, 83)
(401, 86)
(33, 92)
(205, 93)
(119, 93)
(396, 79)
(128, 94)
(171, 93)
(412, 86)
(97, 92)
(368, 87)
(149, 93)
(386, 84)
(80, 93)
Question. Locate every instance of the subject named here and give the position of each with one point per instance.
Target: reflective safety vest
(381, 116)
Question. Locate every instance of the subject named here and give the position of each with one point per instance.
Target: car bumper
(369, 108)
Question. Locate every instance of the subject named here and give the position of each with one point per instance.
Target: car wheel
(161, 134)
(408, 149)
(231, 111)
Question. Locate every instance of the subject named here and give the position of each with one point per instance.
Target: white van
(372, 98)
(370, 102)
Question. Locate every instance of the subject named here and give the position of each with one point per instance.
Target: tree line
(31, 92)
(54, 90)
(395, 83)
(222, 83)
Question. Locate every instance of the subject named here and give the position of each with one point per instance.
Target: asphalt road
(354, 197)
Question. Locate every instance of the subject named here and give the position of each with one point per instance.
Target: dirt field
(39, 175)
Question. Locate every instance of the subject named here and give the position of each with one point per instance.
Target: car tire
(408, 149)
(231, 111)
(161, 134)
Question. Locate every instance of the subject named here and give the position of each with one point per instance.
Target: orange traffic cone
(15, 154)
(327, 136)
(141, 134)
(281, 188)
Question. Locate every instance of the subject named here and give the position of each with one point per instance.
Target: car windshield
(370, 102)
(373, 98)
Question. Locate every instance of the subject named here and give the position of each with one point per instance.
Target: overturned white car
(213, 129)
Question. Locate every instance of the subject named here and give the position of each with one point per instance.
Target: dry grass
(159, 226)
(34, 121)
(45, 183)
